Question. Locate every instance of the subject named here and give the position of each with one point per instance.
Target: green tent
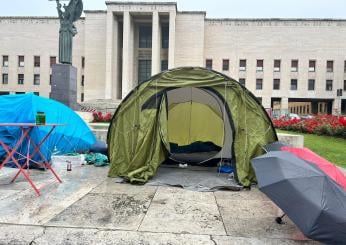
(181, 108)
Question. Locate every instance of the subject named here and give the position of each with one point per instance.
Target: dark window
(259, 99)
(4, 78)
(52, 60)
(259, 83)
(82, 81)
(277, 65)
(344, 85)
(242, 81)
(209, 63)
(4, 93)
(144, 70)
(20, 92)
(165, 36)
(36, 79)
(145, 36)
(225, 64)
(37, 61)
(330, 66)
(37, 93)
(21, 61)
(259, 65)
(276, 84)
(294, 65)
(50, 79)
(311, 84)
(5, 61)
(21, 79)
(83, 61)
(82, 97)
(242, 65)
(312, 65)
(329, 85)
(345, 66)
(164, 65)
(294, 84)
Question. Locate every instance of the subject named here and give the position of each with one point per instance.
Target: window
(311, 84)
(344, 85)
(82, 81)
(329, 85)
(345, 66)
(242, 81)
(37, 93)
(21, 61)
(330, 66)
(276, 84)
(52, 61)
(144, 70)
(82, 97)
(277, 65)
(145, 36)
(50, 79)
(259, 83)
(225, 64)
(294, 65)
(242, 65)
(164, 65)
(5, 61)
(165, 37)
(294, 84)
(21, 79)
(37, 61)
(36, 79)
(209, 63)
(83, 62)
(312, 65)
(259, 65)
(4, 78)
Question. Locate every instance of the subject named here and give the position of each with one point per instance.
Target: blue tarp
(74, 137)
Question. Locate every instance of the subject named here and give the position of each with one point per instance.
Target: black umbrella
(311, 199)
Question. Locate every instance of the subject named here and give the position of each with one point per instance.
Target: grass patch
(331, 148)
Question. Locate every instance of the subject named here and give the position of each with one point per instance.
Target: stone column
(284, 105)
(156, 45)
(171, 48)
(111, 87)
(127, 64)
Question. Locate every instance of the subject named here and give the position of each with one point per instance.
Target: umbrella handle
(279, 219)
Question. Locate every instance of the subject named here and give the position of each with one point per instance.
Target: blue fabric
(76, 136)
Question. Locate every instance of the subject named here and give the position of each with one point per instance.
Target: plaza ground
(89, 208)
(331, 148)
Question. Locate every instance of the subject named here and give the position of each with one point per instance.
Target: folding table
(13, 155)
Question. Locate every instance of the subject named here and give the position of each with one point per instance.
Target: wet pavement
(89, 208)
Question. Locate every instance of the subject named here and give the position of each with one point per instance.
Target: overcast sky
(214, 8)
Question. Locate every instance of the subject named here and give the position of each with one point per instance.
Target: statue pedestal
(64, 85)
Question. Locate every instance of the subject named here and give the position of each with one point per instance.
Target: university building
(292, 65)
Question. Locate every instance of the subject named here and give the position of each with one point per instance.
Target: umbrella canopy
(312, 200)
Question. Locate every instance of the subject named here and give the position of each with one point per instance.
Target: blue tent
(74, 137)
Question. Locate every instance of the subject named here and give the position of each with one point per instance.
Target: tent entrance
(197, 125)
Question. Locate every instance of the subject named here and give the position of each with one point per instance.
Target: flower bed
(102, 117)
(319, 124)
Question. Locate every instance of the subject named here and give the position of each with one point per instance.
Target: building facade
(292, 65)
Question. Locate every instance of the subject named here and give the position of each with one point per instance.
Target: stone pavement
(89, 208)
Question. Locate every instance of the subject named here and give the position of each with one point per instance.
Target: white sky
(214, 8)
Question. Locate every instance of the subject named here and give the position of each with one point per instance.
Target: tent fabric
(138, 134)
(327, 167)
(75, 136)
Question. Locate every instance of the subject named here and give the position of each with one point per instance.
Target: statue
(72, 13)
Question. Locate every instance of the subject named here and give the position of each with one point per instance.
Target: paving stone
(229, 240)
(117, 211)
(178, 210)
(17, 234)
(26, 207)
(253, 218)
